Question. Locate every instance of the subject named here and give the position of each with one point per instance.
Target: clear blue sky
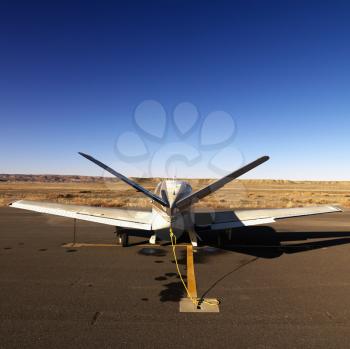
(72, 74)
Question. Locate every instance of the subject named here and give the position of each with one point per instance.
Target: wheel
(220, 238)
(123, 239)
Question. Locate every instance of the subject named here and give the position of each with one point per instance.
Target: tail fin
(136, 186)
(211, 188)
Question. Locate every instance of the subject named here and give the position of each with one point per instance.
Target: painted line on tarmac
(191, 277)
(80, 244)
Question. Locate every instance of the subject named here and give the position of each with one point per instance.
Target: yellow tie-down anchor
(192, 304)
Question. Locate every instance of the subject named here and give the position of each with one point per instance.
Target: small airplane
(171, 209)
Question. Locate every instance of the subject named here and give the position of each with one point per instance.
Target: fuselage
(165, 218)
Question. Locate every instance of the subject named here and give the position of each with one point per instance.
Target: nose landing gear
(194, 238)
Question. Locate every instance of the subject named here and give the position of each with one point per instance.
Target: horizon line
(179, 178)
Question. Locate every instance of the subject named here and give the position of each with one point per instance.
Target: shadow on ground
(265, 242)
(257, 242)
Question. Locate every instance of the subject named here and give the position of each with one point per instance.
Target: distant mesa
(52, 178)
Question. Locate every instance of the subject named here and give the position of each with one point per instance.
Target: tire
(220, 239)
(123, 239)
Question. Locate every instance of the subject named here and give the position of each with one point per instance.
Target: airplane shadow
(265, 242)
(257, 242)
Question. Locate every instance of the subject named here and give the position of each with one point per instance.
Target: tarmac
(285, 285)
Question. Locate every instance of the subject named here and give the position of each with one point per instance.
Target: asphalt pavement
(285, 285)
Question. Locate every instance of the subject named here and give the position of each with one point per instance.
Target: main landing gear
(223, 236)
(122, 237)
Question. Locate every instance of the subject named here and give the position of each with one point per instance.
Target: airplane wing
(127, 218)
(242, 218)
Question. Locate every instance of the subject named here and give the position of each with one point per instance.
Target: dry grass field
(110, 192)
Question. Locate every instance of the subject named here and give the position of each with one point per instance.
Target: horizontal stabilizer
(133, 184)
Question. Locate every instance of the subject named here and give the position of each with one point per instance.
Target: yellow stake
(192, 286)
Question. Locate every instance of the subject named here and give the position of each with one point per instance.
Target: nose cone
(178, 223)
(161, 224)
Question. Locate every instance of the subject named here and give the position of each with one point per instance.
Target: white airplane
(171, 207)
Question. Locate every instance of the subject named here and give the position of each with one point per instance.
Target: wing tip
(336, 208)
(13, 203)
(332, 208)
